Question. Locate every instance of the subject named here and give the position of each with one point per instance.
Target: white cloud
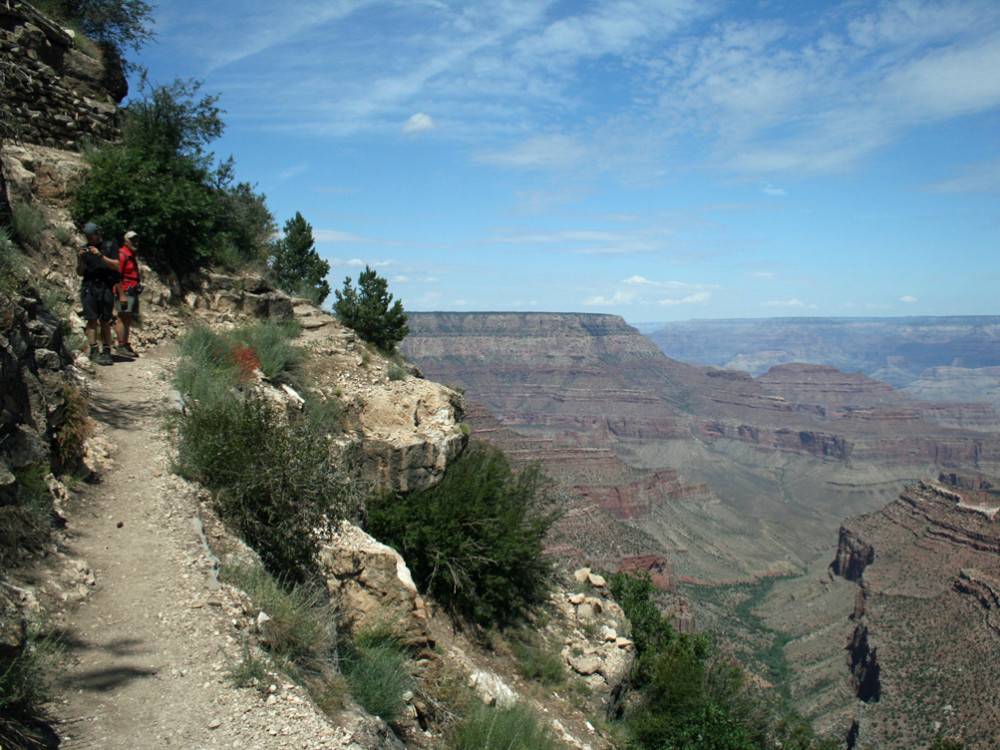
(690, 299)
(908, 299)
(679, 285)
(784, 303)
(770, 189)
(400, 279)
(619, 298)
(418, 123)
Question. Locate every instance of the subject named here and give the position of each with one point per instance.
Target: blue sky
(657, 159)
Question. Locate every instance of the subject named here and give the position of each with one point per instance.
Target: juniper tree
(296, 265)
(369, 310)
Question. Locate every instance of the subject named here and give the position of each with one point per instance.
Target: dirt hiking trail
(146, 651)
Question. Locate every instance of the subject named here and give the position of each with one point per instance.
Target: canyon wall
(925, 642)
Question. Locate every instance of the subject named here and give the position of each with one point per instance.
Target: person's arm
(111, 263)
(80, 268)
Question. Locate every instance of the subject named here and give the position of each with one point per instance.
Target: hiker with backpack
(97, 262)
(128, 289)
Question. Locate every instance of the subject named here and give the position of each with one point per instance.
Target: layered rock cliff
(788, 454)
(925, 638)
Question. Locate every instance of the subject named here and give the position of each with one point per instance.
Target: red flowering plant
(245, 360)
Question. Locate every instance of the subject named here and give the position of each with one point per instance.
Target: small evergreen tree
(474, 542)
(367, 310)
(296, 265)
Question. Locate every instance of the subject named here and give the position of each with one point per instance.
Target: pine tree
(296, 265)
(367, 310)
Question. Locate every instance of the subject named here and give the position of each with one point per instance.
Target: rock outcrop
(371, 586)
(926, 622)
(33, 357)
(54, 93)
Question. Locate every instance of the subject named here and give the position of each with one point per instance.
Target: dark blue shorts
(98, 300)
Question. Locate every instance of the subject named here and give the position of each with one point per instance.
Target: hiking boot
(94, 354)
(125, 349)
(104, 358)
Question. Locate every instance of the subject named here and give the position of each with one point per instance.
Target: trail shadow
(104, 678)
(121, 413)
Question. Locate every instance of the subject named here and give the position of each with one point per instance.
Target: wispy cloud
(784, 303)
(982, 177)
(691, 299)
(686, 81)
(677, 285)
(619, 298)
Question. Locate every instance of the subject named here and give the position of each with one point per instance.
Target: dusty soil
(147, 649)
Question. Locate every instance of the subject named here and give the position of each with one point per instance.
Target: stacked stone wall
(51, 92)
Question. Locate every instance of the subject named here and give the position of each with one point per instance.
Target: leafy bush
(121, 23)
(369, 310)
(161, 182)
(296, 265)
(276, 481)
(474, 542)
(490, 728)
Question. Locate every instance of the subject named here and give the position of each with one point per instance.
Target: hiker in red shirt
(128, 293)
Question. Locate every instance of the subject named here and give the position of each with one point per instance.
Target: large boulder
(411, 433)
(371, 586)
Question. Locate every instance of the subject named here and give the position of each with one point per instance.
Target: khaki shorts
(130, 305)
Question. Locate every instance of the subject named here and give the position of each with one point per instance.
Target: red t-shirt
(128, 267)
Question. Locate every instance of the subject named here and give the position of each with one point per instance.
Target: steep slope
(925, 648)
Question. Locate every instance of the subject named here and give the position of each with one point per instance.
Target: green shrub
(396, 372)
(26, 681)
(474, 542)
(250, 670)
(375, 663)
(120, 23)
(275, 480)
(490, 728)
(369, 310)
(691, 697)
(213, 362)
(27, 222)
(296, 632)
(536, 660)
(74, 430)
(12, 268)
(162, 182)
